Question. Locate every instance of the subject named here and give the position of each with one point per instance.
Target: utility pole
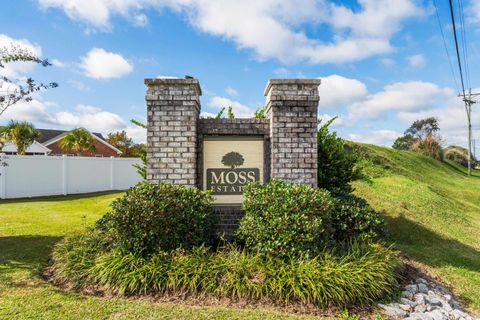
(474, 148)
(468, 107)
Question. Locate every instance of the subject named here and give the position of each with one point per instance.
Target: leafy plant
(404, 143)
(260, 113)
(150, 218)
(141, 168)
(220, 113)
(230, 114)
(21, 134)
(283, 219)
(78, 140)
(352, 219)
(337, 166)
(15, 90)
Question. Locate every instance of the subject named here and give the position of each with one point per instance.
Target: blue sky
(382, 62)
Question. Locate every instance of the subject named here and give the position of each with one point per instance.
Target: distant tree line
(423, 137)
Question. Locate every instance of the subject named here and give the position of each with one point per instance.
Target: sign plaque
(229, 163)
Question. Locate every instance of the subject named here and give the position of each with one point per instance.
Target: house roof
(63, 133)
(49, 134)
(35, 147)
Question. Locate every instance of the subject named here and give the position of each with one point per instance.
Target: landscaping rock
(438, 315)
(407, 294)
(393, 311)
(419, 316)
(409, 302)
(419, 298)
(420, 308)
(422, 288)
(425, 300)
(412, 288)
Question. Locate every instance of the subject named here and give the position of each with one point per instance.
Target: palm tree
(21, 134)
(78, 140)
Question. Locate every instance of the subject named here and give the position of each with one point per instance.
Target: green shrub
(459, 155)
(337, 165)
(364, 273)
(352, 218)
(430, 146)
(283, 219)
(150, 217)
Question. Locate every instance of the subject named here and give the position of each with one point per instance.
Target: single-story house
(49, 144)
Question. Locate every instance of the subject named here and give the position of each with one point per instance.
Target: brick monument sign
(223, 155)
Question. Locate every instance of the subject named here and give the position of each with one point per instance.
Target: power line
(464, 42)
(445, 45)
(456, 47)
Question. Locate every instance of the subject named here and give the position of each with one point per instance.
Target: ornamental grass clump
(361, 274)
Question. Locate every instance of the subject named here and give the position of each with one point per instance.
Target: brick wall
(175, 135)
(173, 109)
(292, 108)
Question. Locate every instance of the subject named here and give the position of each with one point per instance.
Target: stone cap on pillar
(174, 82)
(290, 83)
(292, 89)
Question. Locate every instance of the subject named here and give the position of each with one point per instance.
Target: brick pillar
(173, 109)
(292, 108)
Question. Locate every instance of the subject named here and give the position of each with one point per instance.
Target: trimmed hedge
(159, 217)
(284, 219)
(362, 274)
(352, 218)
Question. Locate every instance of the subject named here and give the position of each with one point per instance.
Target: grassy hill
(433, 214)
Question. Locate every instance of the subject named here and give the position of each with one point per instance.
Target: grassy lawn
(433, 213)
(29, 229)
(432, 209)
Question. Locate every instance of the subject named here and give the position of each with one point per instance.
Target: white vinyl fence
(32, 176)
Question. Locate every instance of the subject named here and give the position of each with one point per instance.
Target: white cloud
(240, 110)
(89, 117)
(271, 28)
(338, 122)
(205, 114)
(377, 137)
(140, 20)
(281, 71)
(336, 90)
(231, 92)
(387, 62)
(79, 85)
(400, 96)
(417, 61)
(474, 12)
(101, 64)
(14, 69)
(137, 133)
(57, 63)
(46, 115)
